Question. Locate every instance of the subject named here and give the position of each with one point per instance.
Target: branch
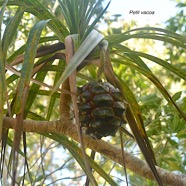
(64, 125)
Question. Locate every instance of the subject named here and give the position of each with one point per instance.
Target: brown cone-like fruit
(101, 109)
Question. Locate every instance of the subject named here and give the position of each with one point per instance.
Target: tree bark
(65, 126)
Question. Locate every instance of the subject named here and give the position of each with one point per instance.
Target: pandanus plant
(89, 91)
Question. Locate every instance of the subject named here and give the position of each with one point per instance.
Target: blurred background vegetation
(52, 164)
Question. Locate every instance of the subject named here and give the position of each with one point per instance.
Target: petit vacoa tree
(68, 88)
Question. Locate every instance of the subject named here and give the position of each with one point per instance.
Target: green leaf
(10, 143)
(177, 96)
(181, 5)
(33, 92)
(4, 3)
(168, 66)
(177, 124)
(29, 57)
(11, 28)
(172, 142)
(2, 72)
(150, 100)
(12, 78)
(78, 15)
(34, 116)
(91, 41)
(128, 56)
(51, 107)
(67, 10)
(149, 33)
(38, 9)
(182, 134)
(89, 17)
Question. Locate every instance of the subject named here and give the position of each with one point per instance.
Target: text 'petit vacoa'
(137, 12)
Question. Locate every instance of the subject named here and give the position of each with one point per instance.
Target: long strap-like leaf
(135, 121)
(30, 53)
(2, 73)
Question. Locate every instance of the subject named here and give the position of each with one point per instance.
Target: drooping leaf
(134, 117)
(2, 72)
(135, 121)
(22, 90)
(149, 33)
(29, 57)
(163, 63)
